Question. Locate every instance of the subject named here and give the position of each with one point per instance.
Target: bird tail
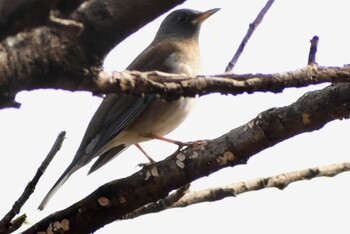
(75, 165)
(107, 156)
(64, 177)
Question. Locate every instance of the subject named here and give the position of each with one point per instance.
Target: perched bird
(123, 120)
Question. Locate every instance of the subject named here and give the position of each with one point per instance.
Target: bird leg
(161, 138)
(145, 153)
(181, 144)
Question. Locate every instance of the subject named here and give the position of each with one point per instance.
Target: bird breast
(161, 117)
(179, 63)
(168, 117)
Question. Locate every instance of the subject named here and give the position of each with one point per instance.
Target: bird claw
(143, 165)
(193, 144)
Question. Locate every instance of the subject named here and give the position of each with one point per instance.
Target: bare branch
(171, 86)
(14, 224)
(279, 181)
(249, 33)
(313, 50)
(116, 199)
(6, 224)
(54, 149)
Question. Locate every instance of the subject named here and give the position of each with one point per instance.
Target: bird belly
(160, 118)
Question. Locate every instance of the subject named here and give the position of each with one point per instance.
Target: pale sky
(281, 43)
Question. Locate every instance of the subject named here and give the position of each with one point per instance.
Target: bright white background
(281, 43)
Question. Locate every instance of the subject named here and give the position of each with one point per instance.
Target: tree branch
(313, 50)
(55, 53)
(172, 86)
(280, 181)
(109, 22)
(23, 14)
(160, 205)
(7, 225)
(116, 199)
(249, 33)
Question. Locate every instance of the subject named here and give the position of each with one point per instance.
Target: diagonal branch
(114, 200)
(7, 224)
(249, 33)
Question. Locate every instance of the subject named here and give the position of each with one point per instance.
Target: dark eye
(182, 18)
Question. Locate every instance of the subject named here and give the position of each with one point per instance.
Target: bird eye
(182, 18)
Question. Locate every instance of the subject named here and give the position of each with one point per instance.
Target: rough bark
(116, 199)
(172, 86)
(62, 45)
(66, 50)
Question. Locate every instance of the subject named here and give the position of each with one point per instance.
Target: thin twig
(232, 190)
(16, 224)
(6, 224)
(313, 51)
(279, 181)
(249, 33)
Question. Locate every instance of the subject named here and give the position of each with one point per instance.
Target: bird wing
(123, 110)
(154, 57)
(116, 112)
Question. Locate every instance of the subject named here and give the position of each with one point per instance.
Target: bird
(123, 120)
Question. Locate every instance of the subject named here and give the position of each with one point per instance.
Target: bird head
(183, 24)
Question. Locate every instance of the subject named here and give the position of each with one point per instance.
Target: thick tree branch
(55, 53)
(67, 7)
(23, 14)
(174, 86)
(120, 197)
(109, 22)
(20, 15)
(160, 205)
(171, 86)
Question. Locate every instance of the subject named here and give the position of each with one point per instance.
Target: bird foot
(142, 165)
(193, 144)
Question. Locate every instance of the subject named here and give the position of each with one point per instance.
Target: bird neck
(189, 38)
(193, 41)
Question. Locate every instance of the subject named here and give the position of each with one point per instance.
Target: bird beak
(204, 15)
